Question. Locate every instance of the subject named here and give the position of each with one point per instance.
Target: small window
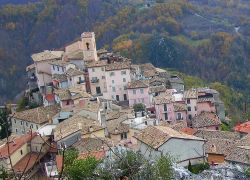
(124, 80)
(15, 121)
(80, 79)
(103, 77)
(53, 67)
(21, 122)
(134, 91)
(123, 72)
(63, 69)
(36, 126)
(195, 108)
(27, 124)
(113, 81)
(142, 91)
(31, 126)
(93, 69)
(112, 74)
(124, 87)
(67, 103)
(113, 89)
(189, 108)
(70, 79)
(16, 130)
(87, 46)
(188, 101)
(21, 152)
(102, 68)
(57, 68)
(189, 116)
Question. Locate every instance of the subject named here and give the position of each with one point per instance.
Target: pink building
(138, 92)
(191, 97)
(180, 110)
(96, 71)
(164, 108)
(206, 105)
(117, 76)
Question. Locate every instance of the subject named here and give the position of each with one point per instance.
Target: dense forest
(209, 39)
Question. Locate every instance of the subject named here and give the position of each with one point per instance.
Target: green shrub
(198, 168)
(247, 172)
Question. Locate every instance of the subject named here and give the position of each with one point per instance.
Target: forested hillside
(206, 38)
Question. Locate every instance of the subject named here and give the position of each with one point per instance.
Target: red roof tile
(97, 154)
(50, 97)
(189, 131)
(29, 160)
(243, 128)
(15, 144)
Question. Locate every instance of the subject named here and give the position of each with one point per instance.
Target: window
(87, 46)
(113, 81)
(16, 130)
(103, 77)
(102, 68)
(123, 135)
(36, 126)
(217, 128)
(134, 91)
(146, 122)
(124, 80)
(117, 98)
(124, 87)
(188, 101)
(31, 126)
(189, 108)
(195, 108)
(123, 72)
(63, 69)
(53, 67)
(57, 68)
(166, 116)
(113, 89)
(70, 79)
(21, 122)
(27, 124)
(142, 100)
(80, 79)
(67, 102)
(93, 69)
(189, 116)
(125, 97)
(142, 91)
(21, 152)
(178, 116)
(112, 74)
(165, 107)
(15, 121)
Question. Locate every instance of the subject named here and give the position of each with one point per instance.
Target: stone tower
(89, 46)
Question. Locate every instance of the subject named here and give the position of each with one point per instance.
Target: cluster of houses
(87, 101)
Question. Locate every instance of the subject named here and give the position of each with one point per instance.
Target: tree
(139, 107)
(22, 103)
(4, 130)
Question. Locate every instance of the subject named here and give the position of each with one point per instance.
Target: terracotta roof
(59, 63)
(163, 99)
(116, 126)
(205, 119)
(75, 55)
(208, 134)
(190, 94)
(205, 99)
(74, 72)
(155, 136)
(118, 66)
(154, 89)
(188, 130)
(92, 144)
(101, 63)
(243, 128)
(239, 154)
(97, 154)
(59, 77)
(39, 115)
(50, 97)
(63, 94)
(15, 144)
(29, 160)
(74, 124)
(110, 115)
(47, 55)
(219, 146)
(178, 126)
(179, 107)
(138, 84)
(150, 73)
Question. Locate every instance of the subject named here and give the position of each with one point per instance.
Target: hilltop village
(95, 100)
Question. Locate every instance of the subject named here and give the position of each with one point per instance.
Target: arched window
(87, 45)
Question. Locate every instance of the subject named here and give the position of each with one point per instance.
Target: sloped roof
(75, 55)
(239, 154)
(191, 94)
(63, 94)
(155, 136)
(219, 146)
(154, 89)
(163, 99)
(59, 77)
(243, 128)
(74, 72)
(137, 84)
(74, 124)
(116, 126)
(59, 63)
(208, 134)
(179, 107)
(47, 55)
(101, 63)
(205, 119)
(118, 66)
(39, 115)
